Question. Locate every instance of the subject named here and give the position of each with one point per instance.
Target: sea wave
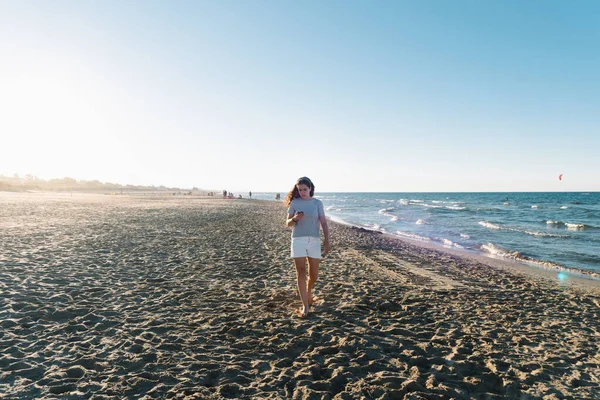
(490, 225)
(412, 236)
(575, 227)
(517, 256)
(411, 202)
(543, 234)
(456, 208)
(570, 226)
(450, 243)
(387, 212)
(437, 204)
(499, 251)
(375, 227)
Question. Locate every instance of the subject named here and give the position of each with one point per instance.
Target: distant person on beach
(250, 194)
(277, 196)
(304, 215)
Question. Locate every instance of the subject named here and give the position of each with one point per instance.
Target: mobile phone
(300, 212)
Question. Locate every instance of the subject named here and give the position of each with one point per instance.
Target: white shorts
(306, 246)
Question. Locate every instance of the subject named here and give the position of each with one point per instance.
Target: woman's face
(304, 191)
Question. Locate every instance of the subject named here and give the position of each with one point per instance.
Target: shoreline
(571, 276)
(533, 267)
(173, 298)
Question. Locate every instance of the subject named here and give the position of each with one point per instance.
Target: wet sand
(139, 297)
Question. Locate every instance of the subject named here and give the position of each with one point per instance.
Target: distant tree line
(18, 183)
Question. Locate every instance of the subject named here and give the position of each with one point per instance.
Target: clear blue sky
(250, 95)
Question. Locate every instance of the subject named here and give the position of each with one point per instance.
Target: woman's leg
(313, 275)
(300, 263)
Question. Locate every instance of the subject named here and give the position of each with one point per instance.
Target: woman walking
(304, 215)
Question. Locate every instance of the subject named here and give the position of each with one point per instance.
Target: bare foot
(313, 300)
(302, 312)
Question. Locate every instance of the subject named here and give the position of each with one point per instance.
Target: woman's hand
(298, 216)
(326, 247)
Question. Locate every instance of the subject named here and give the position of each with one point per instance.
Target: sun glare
(51, 128)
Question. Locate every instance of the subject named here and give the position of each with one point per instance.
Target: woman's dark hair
(294, 194)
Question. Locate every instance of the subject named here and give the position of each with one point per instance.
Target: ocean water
(551, 230)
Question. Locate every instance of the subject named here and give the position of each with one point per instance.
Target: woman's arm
(325, 228)
(290, 221)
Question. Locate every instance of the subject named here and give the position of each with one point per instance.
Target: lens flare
(562, 276)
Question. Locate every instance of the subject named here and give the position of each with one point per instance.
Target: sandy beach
(110, 297)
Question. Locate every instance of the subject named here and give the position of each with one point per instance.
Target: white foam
(465, 236)
(450, 243)
(499, 251)
(447, 242)
(420, 222)
(534, 206)
(412, 236)
(574, 227)
(386, 212)
(489, 225)
(375, 227)
(550, 222)
(535, 233)
(564, 207)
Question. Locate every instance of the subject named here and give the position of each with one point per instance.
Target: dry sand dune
(132, 297)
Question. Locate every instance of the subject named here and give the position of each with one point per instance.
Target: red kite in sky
(560, 177)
